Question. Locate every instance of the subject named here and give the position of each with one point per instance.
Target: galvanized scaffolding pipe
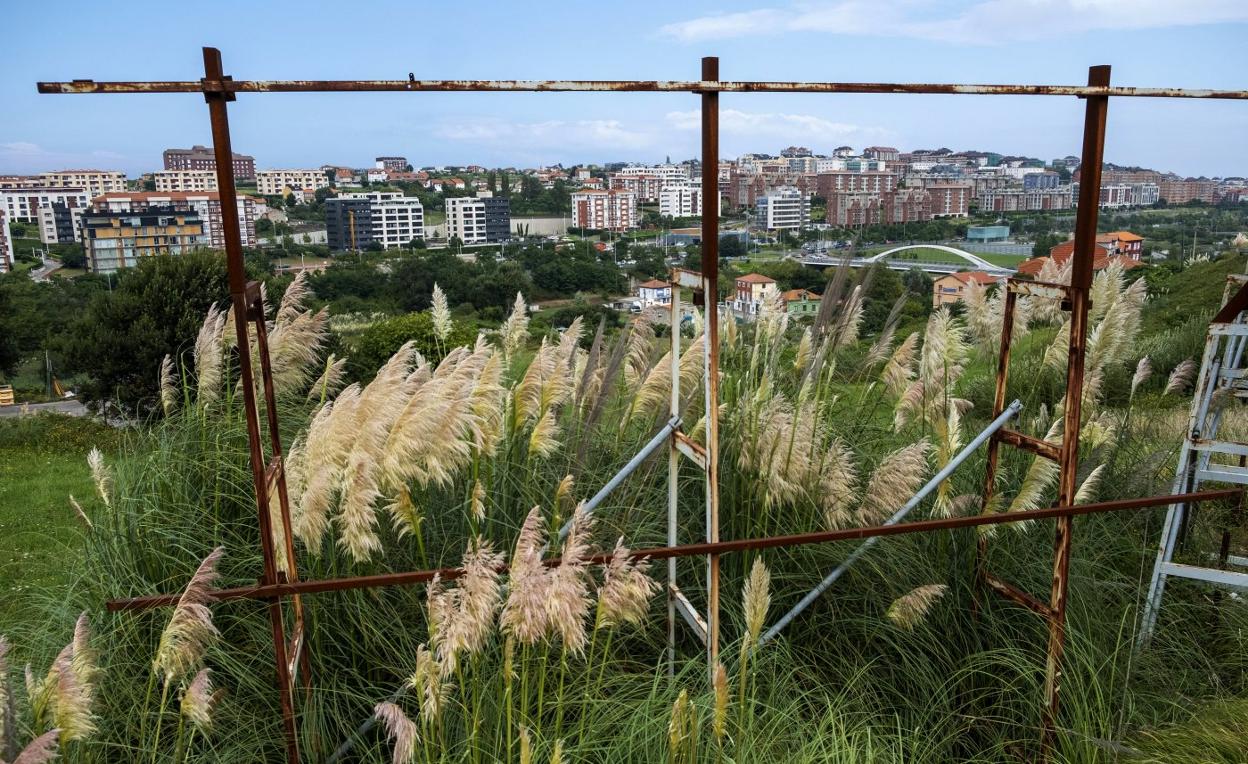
(653, 445)
(1010, 412)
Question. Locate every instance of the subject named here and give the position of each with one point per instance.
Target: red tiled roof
(1033, 266)
(756, 278)
(978, 277)
(654, 284)
(796, 295)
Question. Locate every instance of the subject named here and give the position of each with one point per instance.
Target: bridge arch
(979, 262)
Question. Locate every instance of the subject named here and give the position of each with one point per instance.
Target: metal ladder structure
(1223, 377)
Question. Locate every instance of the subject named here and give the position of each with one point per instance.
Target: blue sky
(1172, 43)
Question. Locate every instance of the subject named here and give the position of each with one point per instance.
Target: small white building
(184, 180)
(654, 292)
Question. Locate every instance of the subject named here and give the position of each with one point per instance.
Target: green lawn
(43, 459)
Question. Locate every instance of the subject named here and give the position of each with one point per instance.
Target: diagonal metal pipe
(1010, 412)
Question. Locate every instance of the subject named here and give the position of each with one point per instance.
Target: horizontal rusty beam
(639, 86)
(262, 591)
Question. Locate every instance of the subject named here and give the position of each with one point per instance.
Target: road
(71, 407)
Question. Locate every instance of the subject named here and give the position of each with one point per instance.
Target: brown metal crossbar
(280, 581)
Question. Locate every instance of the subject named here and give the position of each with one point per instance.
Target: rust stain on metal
(1038, 289)
(636, 86)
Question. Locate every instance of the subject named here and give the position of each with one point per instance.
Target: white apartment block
(275, 182)
(670, 173)
(683, 201)
(647, 187)
(614, 210)
(481, 220)
(394, 219)
(60, 225)
(94, 182)
(206, 204)
(23, 204)
(783, 208)
(185, 180)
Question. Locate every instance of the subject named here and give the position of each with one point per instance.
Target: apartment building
(202, 158)
(612, 210)
(18, 181)
(60, 224)
(22, 204)
(483, 220)
(1039, 180)
(6, 244)
(949, 200)
(280, 182)
(681, 201)
(204, 205)
(115, 240)
(392, 164)
(882, 153)
(670, 173)
(1017, 200)
(1177, 191)
(842, 182)
(852, 210)
(783, 208)
(354, 221)
(646, 187)
(168, 181)
(94, 182)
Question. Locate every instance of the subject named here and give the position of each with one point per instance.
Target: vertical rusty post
(1080, 286)
(673, 476)
(710, 293)
(994, 443)
(243, 312)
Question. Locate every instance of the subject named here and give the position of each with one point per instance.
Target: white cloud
(29, 157)
(586, 133)
(781, 126)
(986, 22)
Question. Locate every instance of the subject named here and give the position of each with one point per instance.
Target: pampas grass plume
(909, 610)
(190, 629)
(401, 730)
(199, 700)
(101, 475)
(756, 597)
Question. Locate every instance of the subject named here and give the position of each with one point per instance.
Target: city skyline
(1154, 44)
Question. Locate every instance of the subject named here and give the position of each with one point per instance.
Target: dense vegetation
(441, 456)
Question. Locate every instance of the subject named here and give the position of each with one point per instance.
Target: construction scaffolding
(282, 589)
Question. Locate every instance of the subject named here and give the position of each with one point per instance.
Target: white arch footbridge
(886, 257)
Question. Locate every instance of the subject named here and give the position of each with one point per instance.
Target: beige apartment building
(168, 181)
(94, 182)
(278, 182)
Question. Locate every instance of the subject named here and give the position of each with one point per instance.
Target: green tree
(156, 308)
(381, 340)
(731, 246)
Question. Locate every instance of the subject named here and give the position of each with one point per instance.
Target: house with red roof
(654, 292)
(952, 287)
(801, 302)
(753, 289)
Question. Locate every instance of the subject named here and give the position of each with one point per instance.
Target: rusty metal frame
(218, 89)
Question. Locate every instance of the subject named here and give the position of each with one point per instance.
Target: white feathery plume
(805, 348)
(428, 680)
(190, 629)
(401, 730)
(756, 598)
(900, 367)
(909, 610)
(41, 750)
(440, 312)
(838, 480)
(199, 700)
(515, 329)
(82, 516)
(330, 382)
(168, 386)
(524, 613)
(626, 591)
(567, 598)
(893, 482)
(1181, 377)
(210, 356)
(101, 475)
(1090, 485)
(1143, 370)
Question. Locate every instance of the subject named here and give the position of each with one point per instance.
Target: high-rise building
(183, 180)
(94, 182)
(115, 240)
(844, 181)
(681, 201)
(202, 158)
(354, 221)
(277, 182)
(783, 208)
(949, 200)
(480, 220)
(613, 210)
